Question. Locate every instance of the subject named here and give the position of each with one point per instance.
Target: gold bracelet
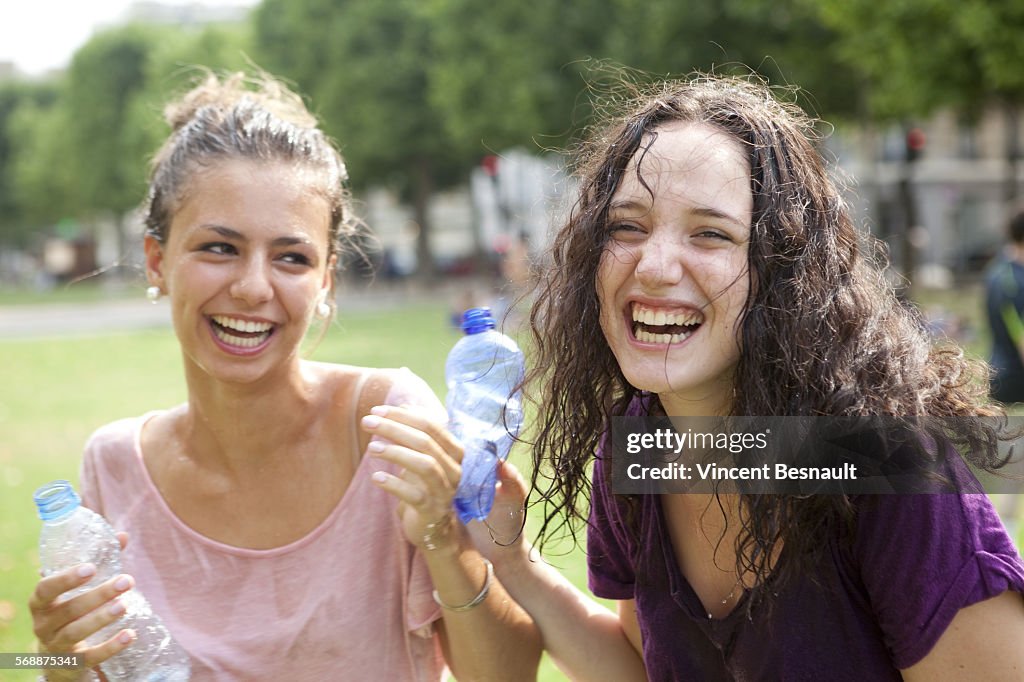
(475, 601)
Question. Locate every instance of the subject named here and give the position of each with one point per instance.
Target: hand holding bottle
(429, 457)
(76, 605)
(62, 618)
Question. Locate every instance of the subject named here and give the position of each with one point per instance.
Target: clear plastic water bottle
(484, 410)
(73, 534)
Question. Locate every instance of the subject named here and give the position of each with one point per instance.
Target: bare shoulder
(335, 381)
(161, 428)
(368, 386)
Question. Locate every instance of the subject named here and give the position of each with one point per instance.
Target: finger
(432, 471)
(412, 438)
(93, 656)
(52, 586)
(410, 493)
(421, 419)
(79, 629)
(122, 538)
(50, 624)
(511, 484)
(383, 425)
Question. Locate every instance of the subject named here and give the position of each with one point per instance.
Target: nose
(252, 285)
(659, 263)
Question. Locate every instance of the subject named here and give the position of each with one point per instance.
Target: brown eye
(713, 234)
(623, 229)
(219, 248)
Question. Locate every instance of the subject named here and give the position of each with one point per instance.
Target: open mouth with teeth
(662, 326)
(240, 333)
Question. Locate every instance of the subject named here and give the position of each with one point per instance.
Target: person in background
(269, 543)
(1004, 307)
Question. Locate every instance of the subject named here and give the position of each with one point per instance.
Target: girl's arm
(485, 635)
(586, 640)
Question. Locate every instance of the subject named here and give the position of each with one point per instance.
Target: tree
(173, 66)
(20, 104)
(518, 78)
(922, 55)
(910, 52)
(105, 153)
(77, 147)
(993, 28)
(365, 65)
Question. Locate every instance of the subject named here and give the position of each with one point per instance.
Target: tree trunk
(421, 193)
(1012, 151)
(907, 242)
(123, 223)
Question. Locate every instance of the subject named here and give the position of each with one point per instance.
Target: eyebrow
(709, 212)
(228, 233)
(705, 211)
(628, 204)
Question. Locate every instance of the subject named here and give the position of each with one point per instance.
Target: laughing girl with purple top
(710, 267)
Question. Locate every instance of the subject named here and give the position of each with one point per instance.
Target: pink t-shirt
(349, 601)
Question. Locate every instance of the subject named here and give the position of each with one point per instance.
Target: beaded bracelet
(475, 601)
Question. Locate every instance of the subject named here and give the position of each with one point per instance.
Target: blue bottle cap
(477, 320)
(56, 499)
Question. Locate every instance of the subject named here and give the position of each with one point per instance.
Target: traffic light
(916, 141)
(490, 165)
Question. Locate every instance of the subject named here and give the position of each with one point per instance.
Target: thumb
(122, 538)
(511, 484)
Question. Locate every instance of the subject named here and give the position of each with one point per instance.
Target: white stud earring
(153, 294)
(323, 310)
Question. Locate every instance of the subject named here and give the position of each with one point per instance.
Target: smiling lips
(653, 325)
(241, 333)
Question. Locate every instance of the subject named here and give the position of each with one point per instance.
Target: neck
(717, 405)
(240, 426)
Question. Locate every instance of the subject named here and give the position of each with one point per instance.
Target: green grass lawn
(57, 391)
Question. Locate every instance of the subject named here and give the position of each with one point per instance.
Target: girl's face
(673, 277)
(244, 264)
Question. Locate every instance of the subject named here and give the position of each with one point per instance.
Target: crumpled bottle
(485, 411)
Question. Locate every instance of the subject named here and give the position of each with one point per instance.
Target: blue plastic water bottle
(484, 409)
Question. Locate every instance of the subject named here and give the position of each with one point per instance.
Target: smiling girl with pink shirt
(265, 539)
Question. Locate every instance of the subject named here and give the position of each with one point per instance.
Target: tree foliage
(912, 53)
(416, 91)
(365, 65)
(77, 146)
(23, 129)
(105, 78)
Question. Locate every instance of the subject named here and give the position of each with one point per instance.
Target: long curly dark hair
(822, 332)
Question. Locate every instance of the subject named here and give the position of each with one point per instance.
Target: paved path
(66, 319)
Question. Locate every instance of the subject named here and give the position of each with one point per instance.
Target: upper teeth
(242, 325)
(660, 317)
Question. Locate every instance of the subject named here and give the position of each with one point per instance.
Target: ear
(154, 261)
(327, 285)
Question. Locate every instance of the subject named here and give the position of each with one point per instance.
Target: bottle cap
(56, 499)
(476, 320)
